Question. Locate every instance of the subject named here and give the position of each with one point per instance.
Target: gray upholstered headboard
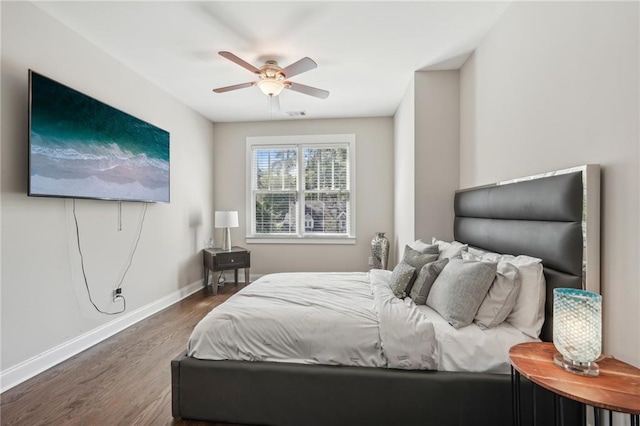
(543, 216)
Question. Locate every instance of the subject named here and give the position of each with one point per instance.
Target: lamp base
(576, 367)
(226, 240)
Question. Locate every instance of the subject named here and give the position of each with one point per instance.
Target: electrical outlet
(117, 293)
(370, 260)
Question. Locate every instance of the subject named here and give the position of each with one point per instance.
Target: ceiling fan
(273, 78)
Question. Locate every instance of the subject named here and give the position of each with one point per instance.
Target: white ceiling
(366, 51)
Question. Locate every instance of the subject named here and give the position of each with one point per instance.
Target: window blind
(300, 189)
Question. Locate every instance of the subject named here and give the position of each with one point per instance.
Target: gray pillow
(425, 279)
(401, 276)
(424, 248)
(417, 260)
(501, 298)
(460, 289)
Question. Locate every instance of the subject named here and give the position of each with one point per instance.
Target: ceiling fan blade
(303, 65)
(234, 87)
(307, 90)
(233, 58)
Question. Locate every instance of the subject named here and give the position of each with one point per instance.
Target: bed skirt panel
(282, 394)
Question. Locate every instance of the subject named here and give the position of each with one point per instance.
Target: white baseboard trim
(33, 366)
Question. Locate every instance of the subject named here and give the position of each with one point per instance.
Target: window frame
(300, 142)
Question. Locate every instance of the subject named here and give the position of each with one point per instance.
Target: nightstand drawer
(231, 260)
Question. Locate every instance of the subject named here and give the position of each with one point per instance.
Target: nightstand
(617, 388)
(217, 259)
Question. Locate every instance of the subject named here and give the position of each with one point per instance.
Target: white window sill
(299, 240)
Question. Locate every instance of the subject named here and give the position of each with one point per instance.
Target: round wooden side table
(616, 388)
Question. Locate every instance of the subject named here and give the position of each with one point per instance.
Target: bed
(554, 217)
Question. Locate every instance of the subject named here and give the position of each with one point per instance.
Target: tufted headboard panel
(540, 217)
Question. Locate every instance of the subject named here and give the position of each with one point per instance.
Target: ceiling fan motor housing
(271, 70)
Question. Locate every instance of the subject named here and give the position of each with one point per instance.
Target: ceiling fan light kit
(271, 86)
(272, 78)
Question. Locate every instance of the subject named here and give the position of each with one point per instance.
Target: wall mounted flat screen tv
(80, 147)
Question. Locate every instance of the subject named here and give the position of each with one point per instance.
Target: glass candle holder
(577, 330)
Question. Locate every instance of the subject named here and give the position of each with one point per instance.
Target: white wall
(374, 181)
(404, 176)
(426, 149)
(44, 300)
(555, 85)
(437, 148)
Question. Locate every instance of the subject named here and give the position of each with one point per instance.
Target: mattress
(344, 319)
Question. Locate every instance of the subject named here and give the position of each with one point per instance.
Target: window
(301, 189)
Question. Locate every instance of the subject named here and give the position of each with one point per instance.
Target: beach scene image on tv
(81, 147)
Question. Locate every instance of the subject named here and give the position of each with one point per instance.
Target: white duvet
(326, 318)
(345, 319)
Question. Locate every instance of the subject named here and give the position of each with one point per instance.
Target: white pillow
(528, 313)
(476, 252)
(501, 298)
(502, 295)
(452, 250)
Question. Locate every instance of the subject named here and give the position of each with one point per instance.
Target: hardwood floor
(124, 380)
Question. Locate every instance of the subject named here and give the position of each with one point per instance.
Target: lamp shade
(577, 329)
(226, 219)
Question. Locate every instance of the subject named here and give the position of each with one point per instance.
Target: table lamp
(577, 330)
(226, 220)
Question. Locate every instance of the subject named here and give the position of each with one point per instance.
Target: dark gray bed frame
(541, 217)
